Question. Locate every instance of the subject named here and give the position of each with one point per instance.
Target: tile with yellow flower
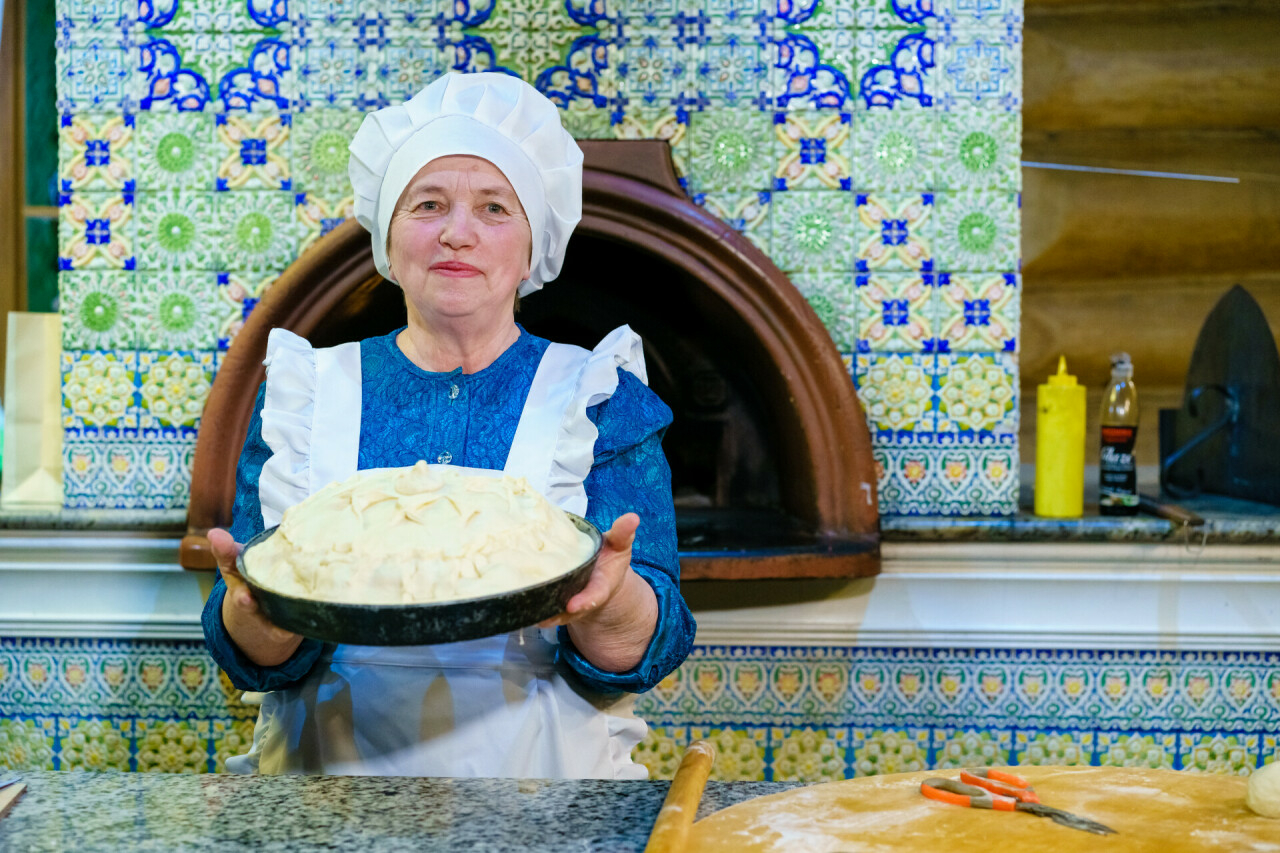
(1114, 685)
(1198, 686)
(1073, 684)
(895, 312)
(1234, 755)
(748, 682)
(230, 738)
(787, 682)
(830, 685)
(1031, 684)
(96, 231)
(1240, 686)
(94, 152)
(1270, 752)
(173, 746)
(877, 752)
(317, 216)
(1158, 687)
(869, 682)
(970, 748)
(977, 393)
(76, 674)
(8, 673)
(894, 232)
(94, 744)
(1137, 749)
(809, 755)
(951, 683)
(978, 312)
(661, 750)
(813, 147)
(98, 388)
(897, 392)
(174, 386)
(740, 752)
(37, 675)
(26, 743)
(708, 680)
(1060, 748)
(255, 152)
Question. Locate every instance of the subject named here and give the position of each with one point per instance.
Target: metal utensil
(974, 797)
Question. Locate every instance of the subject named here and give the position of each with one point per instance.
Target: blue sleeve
(246, 522)
(630, 474)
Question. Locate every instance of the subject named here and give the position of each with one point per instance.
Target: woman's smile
(454, 269)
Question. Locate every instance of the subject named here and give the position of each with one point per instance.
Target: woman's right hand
(260, 640)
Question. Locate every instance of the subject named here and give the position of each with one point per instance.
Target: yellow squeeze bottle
(1060, 421)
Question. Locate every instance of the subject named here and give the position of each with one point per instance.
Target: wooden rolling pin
(671, 830)
(9, 795)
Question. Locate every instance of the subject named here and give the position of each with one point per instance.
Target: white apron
(499, 706)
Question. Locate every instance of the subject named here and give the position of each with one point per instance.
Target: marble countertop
(84, 812)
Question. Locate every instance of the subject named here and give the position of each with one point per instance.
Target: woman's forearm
(616, 637)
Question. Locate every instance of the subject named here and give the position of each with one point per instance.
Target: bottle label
(1119, 480)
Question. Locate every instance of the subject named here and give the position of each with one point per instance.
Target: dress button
(445, 458)
(453, 392)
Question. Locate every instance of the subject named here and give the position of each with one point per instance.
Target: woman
(470, 191)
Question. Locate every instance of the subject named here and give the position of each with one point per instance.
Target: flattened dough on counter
(1159, 811)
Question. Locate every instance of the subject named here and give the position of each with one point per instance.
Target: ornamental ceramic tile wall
(870, 148)
(809, 714)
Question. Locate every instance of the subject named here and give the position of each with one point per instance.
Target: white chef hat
(491, 115)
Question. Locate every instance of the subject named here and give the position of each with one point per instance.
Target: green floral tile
(95, 152)
(98, 388)
(977, 231)
(809, 755)
(173, 387)
(94, 744)
(584, 120)
(173, 746)
(894, 232)
(979, 151)
(1137, 749)
(894, 152)
(1060, 749)
(748, 213)
(977, 392)
(833, 298)
(320, 155)
(879, 752)
(895, 312)
(812, 231)
(255, 152)
(96, 231)
(661, 750)
(813, 149)
(178, 311)
(177, 230)
(1234, 755)
(978, 312)
(740, 752)
(257, 230)
(26, 744)
(317, 216)
(730, 151)
(99, 310)
(897, 392)
(175, 151)
(970, 748)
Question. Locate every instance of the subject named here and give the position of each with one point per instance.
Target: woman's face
(459, 241)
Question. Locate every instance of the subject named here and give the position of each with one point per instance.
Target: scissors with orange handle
(1005, 792)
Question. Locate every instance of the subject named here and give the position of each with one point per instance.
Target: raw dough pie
(417, 535)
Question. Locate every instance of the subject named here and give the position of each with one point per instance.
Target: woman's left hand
(612, 619)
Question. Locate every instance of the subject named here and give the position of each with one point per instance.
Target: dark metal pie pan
(422, 624)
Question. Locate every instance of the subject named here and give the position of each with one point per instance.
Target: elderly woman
(470, 191)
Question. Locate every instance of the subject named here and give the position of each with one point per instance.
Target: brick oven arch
(630, 196)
